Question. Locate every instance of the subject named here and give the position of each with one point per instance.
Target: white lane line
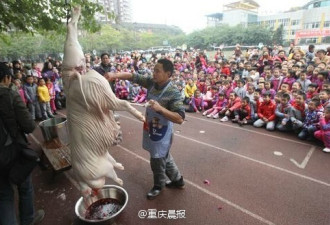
(251, 131)
(210, 193)
(248, 158)
(306, 159)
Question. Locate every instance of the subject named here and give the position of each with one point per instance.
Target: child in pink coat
(218, 106)
(52, 94)
(141, 97)
(324, 133)
(20, 90)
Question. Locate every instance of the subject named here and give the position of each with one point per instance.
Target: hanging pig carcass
(92, 127)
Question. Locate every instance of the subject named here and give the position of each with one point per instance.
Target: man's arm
(172, 116)
(120, 76)
(144, 81)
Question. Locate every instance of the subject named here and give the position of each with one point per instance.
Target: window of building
(286, 22)
(316, 25)
(327, 24)
(307, 25)
(292, 32)
(311, 40)
(294, 22)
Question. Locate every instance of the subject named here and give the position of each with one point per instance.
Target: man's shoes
(154, 192)
(176, 184)
(38, 217)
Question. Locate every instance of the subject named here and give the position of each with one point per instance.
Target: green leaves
(229, 36)
(37, 15)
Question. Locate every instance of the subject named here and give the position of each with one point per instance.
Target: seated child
(234, 103)
(311, 120)
(240, 90)
(121, 90)
(324, 97)
(269, 89)
(243, 114)
(266, 113)
(250, 92)
(219, 105)
(209, 96)
(324, 133)
(311, 91)
(141, 97)
(196, 103)
(298, 111)
(254, 103)
(133, 91)
(283, 112)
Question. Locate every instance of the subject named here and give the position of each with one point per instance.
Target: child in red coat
(243, 114)
(234, 103)
(266, 113)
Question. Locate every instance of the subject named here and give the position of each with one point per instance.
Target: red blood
(102, 209)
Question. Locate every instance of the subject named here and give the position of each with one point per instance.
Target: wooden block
(59, 157)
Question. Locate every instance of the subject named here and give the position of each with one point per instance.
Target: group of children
(41, 91)
(262, 88)
(287, 96)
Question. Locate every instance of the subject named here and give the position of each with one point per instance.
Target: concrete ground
(234, 175)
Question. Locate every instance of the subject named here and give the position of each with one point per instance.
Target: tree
(278, 35)
(43, 15)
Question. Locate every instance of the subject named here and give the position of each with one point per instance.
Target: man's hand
(155, 106)
(110, 76)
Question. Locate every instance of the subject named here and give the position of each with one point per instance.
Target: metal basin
(108, 191)
(55, 128)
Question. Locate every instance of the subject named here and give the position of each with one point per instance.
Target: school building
(309, 23)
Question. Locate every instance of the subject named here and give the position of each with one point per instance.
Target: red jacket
(233, 105)
(267, 110)
(225, 70)
(247, 109)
